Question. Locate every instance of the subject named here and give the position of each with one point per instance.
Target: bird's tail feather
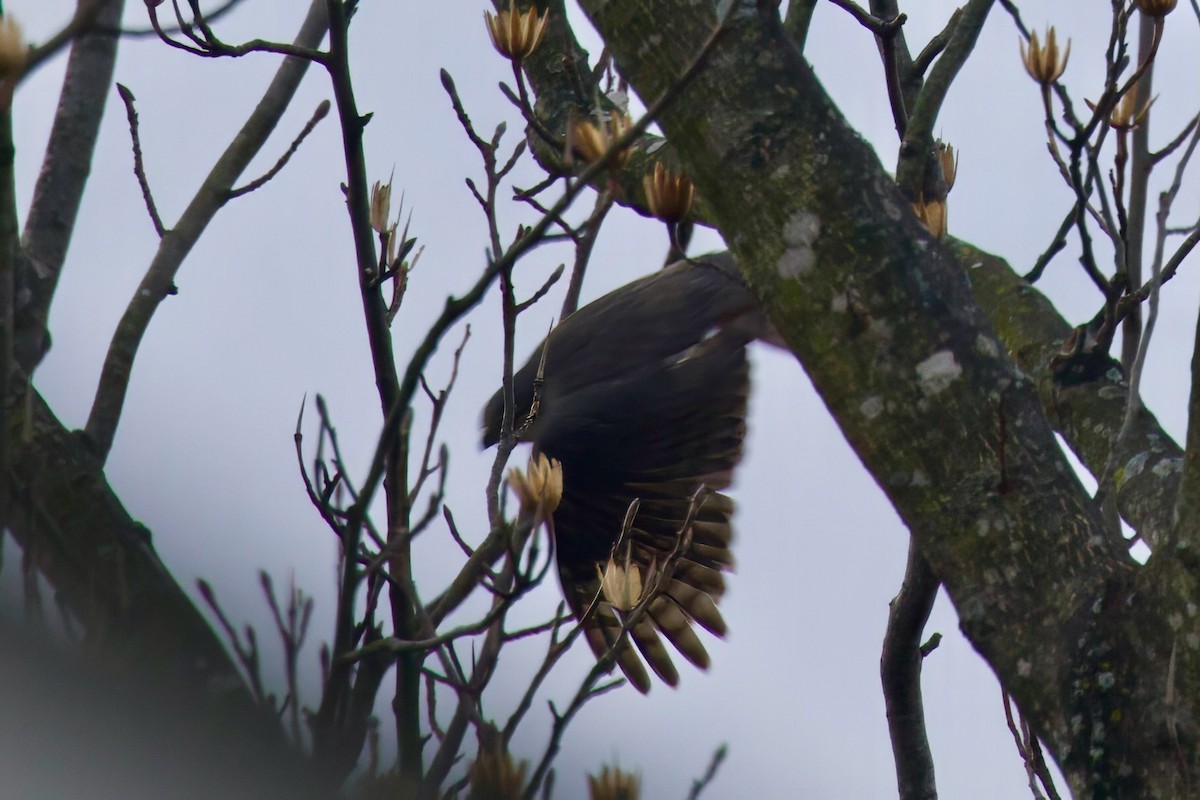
(688, 594)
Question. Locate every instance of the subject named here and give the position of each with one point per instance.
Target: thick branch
(1189, 491)
(1139, 179)
(60, 185)
(104, 569)
(917, 147)
(1085, 402)
(888, 331)
(8, 269)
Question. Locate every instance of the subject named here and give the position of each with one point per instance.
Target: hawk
(644, 398)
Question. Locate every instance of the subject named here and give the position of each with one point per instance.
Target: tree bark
(1097, 652)
(137, 620)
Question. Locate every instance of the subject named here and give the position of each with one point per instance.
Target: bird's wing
(654, 435)
(636, 327)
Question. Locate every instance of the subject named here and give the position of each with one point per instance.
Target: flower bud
(1043, 63)
(932, 215)
(494, 776)
(381, 205)
(948, 160)
(1125, 115)
(540, 486)
(515, 35)
(621, 584)
(614, 784)
(668, 194)
(592, 141)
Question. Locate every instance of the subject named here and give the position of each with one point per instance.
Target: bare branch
(64, 173)
(82, 23)
(247, 654)
(701, 783)
(207, 45)
(318, 115)
(158, 282)
(141, 33)
(900, 668)
(583, 251)
(139, 167)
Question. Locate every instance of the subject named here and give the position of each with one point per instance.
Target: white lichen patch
(1024, 668)
(1167, 466)
(986, 346)
(839, 304)
(1133, 468)
(872, 407)
(937, 372)
(800, 233)
(919, 478)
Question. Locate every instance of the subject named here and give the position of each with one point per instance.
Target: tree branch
(951, 429)
(105, 570)
(158, 282)
(900, 669)
(64, 174)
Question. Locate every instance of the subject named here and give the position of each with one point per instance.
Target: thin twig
(139, 166)
(584, 245)
(142, 33)
(1019, 741)
(208, 45)
(439, 407)
(879, 27)
(546, 286)
(247, 655)
(318, 115)
(714, 763)
(1056, 245)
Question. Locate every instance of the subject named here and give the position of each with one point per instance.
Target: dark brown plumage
(644, 397)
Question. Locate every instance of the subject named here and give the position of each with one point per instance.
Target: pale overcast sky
(268, 313)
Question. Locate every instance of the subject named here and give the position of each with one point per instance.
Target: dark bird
(644, 397)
